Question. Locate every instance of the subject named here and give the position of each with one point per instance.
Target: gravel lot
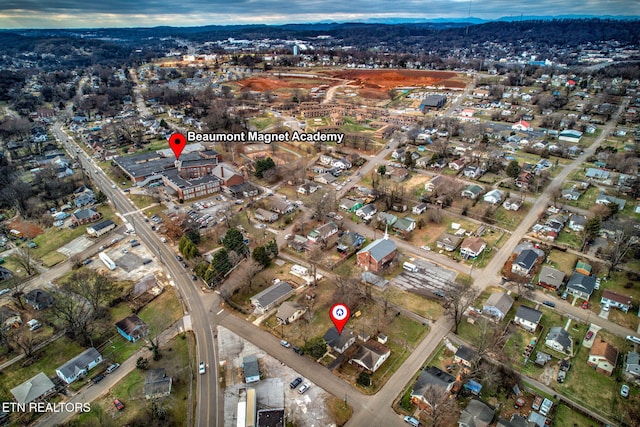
(429, 278)
(273, 389)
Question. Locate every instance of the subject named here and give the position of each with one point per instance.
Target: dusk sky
(148, 13)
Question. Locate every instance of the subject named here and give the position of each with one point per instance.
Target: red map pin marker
(339, 314)
(177, 142)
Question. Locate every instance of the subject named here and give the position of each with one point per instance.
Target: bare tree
(17, 286)
(457, 299)
(97, 289)
(441, 407)
(75, 313)
(26, 341)
(625, 239)
(24, 258)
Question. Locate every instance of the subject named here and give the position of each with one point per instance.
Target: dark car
(178, 257)
(295, 383)
(194, 277)
(298, 350)
(97, 378)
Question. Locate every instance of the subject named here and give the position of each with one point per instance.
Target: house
(371, 355)
(528, 318)
(604, 199)
(419, 209)
(405, 225)
(431, 387)
(251, 369)
(448, 242)
(339, 342)
(602, 356)
(289, 312)
(559, 340)
(84, 216)
(632, 365)
(323, 232)
(432, 102)
(38, 299)
(472, 247)
(84, 198)
(472, 191)
(521, 126)
(103, 227)
(498, 305)
(516, 420)
(494, 197)
(157, 384)
(616, 300)
(458, 164)
(349, 241)
(550, 278)
(465, 356)
(525, 262)
(577, 222)
(524, 179)
(351, 205)
(366, 211)
(571, 194)
(512, 204)
(398, 174)
(583, 267)
(281, 206)
(580, 285)
(473, 172)
(398, 154)
(79, 366)
(307, 188)
(227, 175)
(34, 389)
(270, 297)
(265, 215)
(438, 182)
(132, 328)
(9, 318)
(598, 174)
(377, 255)
(476, 414)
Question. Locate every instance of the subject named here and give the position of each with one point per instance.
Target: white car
(624, 391)
(304, 388)
(202, 368)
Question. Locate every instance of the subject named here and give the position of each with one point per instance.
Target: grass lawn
(566, 416)
(48, 359)
(177, 363)
(587, 200)
(510, 219)
(162, 311)
(570, 238)
(339, 410)
(563, 261)
(413, 302)
(141, 201)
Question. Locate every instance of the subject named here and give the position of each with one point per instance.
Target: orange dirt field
(268, 83)
(389, 79)
(27, 229)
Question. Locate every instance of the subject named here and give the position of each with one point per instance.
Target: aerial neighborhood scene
(320, 214)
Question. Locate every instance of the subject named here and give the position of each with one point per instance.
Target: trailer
(107, 261)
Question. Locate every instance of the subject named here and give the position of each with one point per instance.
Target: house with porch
(614, 299)
(602, 356)
(527, 317)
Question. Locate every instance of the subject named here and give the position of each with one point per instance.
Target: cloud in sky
(128, 13)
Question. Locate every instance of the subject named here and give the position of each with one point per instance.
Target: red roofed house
(521, 126)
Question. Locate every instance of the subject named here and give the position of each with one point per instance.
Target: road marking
(218, 313)
(217, 292)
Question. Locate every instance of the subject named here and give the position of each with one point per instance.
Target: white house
(498, 305)
(528, 318)
(79, 366)
(494, 197)
(371, 355)
(521, 126)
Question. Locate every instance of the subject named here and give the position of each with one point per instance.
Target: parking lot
(429, 279)
(272, 391)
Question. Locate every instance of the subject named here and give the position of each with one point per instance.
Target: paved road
(209, 397)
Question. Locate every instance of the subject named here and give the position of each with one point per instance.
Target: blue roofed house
(79, 366)
(581, 286)
(597, 173)
(132, 328)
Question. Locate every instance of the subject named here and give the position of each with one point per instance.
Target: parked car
(295, 383)
(549, 303)
(112, 367)
(410, 420)
(97, 378)
(202, 368)
(304, 388)
(589, 336)
(585, 305)
(624, 390)
(119, 405)
(285, 343)
(298, 350)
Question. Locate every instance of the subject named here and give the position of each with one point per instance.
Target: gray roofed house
(79, 365)
(571, 194)
(498, 305)
(465, 356)
(476, 414)
(38, 299)
(577, 222)
(386, 218)
(581, 286)
(374, 279)
(596, 173)
(559, 340)
(157, 384)
(431, 378)
(271, 296)
(36, 388)
(632, 364)
(550, 277)
(516, 421)
(251, 369)
(339, 342)
(5, 274)
(472, 191)
(524, 262)
(528, 317)
(449, 242)
(289, 312)
(604, 199)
